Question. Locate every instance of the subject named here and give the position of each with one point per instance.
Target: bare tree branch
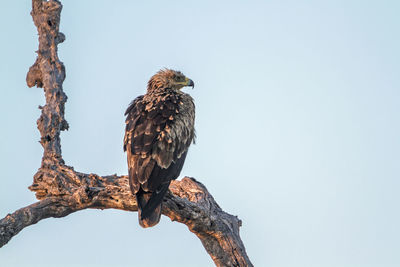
(62, 190)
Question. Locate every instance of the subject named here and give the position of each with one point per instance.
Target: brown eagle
(159, 130)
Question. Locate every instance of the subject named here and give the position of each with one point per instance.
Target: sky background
(297, 118)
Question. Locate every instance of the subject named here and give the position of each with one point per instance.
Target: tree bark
(61, 190)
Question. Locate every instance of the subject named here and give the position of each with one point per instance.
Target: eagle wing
(157, 138)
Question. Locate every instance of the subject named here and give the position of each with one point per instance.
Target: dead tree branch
(61, 190)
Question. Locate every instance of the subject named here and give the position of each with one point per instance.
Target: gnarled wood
(62, 190)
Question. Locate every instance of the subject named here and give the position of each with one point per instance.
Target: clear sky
(297, 120)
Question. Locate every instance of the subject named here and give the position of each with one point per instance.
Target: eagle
(159, 130)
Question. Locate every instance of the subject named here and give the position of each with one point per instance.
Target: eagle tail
(150, 205)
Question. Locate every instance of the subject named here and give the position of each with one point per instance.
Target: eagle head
(168, 79)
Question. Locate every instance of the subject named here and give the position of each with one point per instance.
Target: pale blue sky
(298, 127)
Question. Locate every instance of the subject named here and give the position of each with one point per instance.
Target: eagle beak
(189, 82)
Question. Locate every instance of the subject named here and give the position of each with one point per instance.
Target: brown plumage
(159, 130)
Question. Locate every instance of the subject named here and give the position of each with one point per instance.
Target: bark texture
(61, 190)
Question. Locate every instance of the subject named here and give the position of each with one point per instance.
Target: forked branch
(61, 190)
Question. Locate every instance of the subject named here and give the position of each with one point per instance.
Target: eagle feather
(159, 130)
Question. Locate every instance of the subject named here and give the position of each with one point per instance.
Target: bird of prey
(159, 130)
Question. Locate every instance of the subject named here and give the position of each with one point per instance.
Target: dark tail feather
(149, 206)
